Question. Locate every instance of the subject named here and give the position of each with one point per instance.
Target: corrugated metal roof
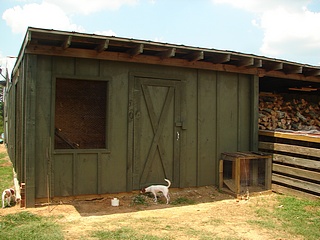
(63, 43)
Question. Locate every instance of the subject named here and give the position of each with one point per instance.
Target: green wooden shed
(87, 114)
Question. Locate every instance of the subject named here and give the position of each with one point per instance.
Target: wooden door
(156, 131)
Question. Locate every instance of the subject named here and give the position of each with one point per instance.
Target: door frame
(179, 124)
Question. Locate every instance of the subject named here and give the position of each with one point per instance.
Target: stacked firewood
(295, 114)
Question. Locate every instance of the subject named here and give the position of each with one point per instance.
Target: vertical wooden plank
(130, 156)
(111, 177)
(183, 140)
(244, 112)
(268, 172)
(75, 176)
(15, 144)
(10, 118)
(177, 143)
(63, 66)
(30, 123)
(43, 127)
(239, 114)
(86, 173)
(227, 112)
(137, 129)
(237, 176)
(189, 150)
(117, 129)
(19, 120)
(220, 174)
(99, 173)
(207, 103)
(254, 113)
(63, 177)
(87, 67)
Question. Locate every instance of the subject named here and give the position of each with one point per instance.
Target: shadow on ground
(101, 205)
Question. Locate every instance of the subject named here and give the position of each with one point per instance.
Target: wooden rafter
(171, 52)
(136, 50)
(311, 72)
(257, 63)
(292, 69)
(220, 58)
(195, 56)
(103, 46)
(67, 42)
(249, 62)
(272, 66)
(245, 62)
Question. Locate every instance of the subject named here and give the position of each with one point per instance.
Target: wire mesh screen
(80, 114)
(252, 175)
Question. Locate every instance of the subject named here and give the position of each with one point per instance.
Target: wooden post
(23, 195)
(237, 177)
(16, 187)
(221, 174)
(268, 173)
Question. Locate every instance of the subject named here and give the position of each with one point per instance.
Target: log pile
(296, 114)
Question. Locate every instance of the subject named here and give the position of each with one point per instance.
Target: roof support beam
(220, 58)
(138, 49)
(195, 56)
(272, 66)
(67, 42)
(291, 69)
(312, 72)
(257, 63)
(249, 62)
(171, 52)
(245, 62)
(103, 46)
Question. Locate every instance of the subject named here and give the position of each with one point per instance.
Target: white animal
(8, 196)
(158, 188)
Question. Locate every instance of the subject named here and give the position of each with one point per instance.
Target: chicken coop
(245, 173)
(87, 115)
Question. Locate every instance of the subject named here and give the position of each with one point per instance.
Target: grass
(293, 215)
(139, 200)
(5, 172)
(124, 233)
(300, 216)
(25, 225)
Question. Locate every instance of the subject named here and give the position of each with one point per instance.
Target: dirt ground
(213, 215)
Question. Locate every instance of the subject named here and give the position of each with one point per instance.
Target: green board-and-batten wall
(219, 108)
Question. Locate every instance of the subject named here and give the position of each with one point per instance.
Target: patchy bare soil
(214, 215)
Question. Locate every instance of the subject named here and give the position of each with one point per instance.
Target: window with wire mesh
(80, 114)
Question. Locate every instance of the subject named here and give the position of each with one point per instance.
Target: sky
(282, 29)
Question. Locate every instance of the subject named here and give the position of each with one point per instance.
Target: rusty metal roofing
(74, 44)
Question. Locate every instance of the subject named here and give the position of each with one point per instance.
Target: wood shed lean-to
(89, 114)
